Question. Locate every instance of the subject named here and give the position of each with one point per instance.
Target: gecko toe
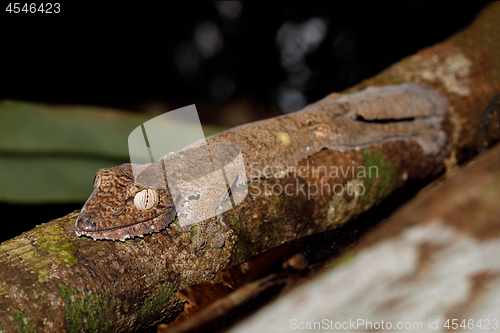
(218, 240)
(199, 241)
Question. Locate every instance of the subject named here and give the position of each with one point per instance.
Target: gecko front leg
(186, 215)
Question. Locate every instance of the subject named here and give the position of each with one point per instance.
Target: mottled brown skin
(110, 213)
(409, 112)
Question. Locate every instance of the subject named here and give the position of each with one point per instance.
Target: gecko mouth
(85, 226)
(123, 233)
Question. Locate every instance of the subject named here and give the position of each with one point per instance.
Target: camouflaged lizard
(120, 208)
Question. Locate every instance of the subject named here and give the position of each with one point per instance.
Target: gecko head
(119, 208)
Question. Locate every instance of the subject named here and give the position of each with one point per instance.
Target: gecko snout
(84, 223)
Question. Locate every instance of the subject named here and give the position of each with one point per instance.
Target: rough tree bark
(51, 280)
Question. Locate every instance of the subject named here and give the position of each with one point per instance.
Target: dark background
(237, 61)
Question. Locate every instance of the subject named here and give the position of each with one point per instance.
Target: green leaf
(41, 179)
(50, 154)
(27, 128)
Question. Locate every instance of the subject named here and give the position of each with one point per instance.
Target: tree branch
(51, 280)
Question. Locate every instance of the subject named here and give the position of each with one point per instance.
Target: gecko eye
(146, 199)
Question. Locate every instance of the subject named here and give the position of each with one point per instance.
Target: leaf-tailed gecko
(119, 208)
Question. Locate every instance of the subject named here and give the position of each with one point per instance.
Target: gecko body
(120, 207)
